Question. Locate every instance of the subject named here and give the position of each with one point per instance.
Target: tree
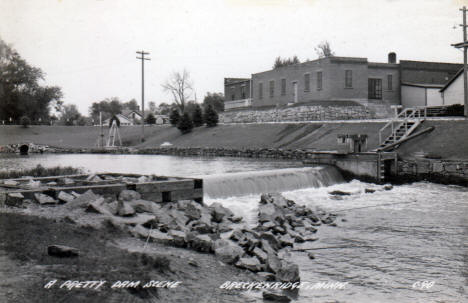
(211, 116)
(214, 99)
(131, 105)
(197, 116)
(324, 50)
(70, 115)
(166, 109)
(152, 106)
(20, 91)
(181, 87)
(25, 121)
(174, 117)
(285, 62)
(109, 107)
(150, 119)
(185, 124)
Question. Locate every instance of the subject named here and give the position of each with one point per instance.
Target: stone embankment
(307, 113)
(190, 224)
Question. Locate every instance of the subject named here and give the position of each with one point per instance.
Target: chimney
(392, 58)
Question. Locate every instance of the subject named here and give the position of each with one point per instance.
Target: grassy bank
(448, 140)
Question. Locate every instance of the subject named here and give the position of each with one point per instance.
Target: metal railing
(409, 114)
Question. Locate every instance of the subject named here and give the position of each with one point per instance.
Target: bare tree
(324, 50)
(181, 87)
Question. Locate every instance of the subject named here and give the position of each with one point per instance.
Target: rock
(160, 237)
(237, 235)
(194, 210)
(274, 198)
(139, 219)
(82, 200)
(260, 254)
(220, 243)
(67, 181)
(97, 206)
(75, 194)
(339, 193)
(182, 204)
(62, 251)
(143, 179)
(202, 243)
(268, 225)
(65, 197)
(51, 183)
(178, 236)
(112, 207)
(311, 256)
(267, 276)
(224, 227)
(309, 238)
(271, 296)
(140, 232)
(273, 263)
(93, 178)
(267, 247)
(14, 199)
(141, 206)
(129, 195)
(229, 253)
(270, 213)
(289, 272)
(44, 199)
(125, 210)
(369, 190)
(251, 264)
(272, 240)
(220, 212)
(286, 240)
(388, 187)
(235, 219)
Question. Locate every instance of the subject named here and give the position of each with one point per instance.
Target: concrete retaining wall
(435, 170)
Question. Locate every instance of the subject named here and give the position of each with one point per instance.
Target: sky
(88, 47)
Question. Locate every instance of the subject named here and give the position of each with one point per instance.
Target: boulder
(10, 182)
(129, 195)
(237, 235)
(260, 254)
(140, 232)
(139, 219)
(224, 227)
(339, 193)
(270, 213)
(271, 296)
(44, 199)
(67, 181)
(220, 212)
(182, 204)
(251, 264)
(178, 236)
(62, 251)
(274, 198)
(388, 187)
(194, 210)
(235, 219)
(161, 237)
(229, 253)
(369, 190)
(272, 240)
(311, 256)
(202, 243)
(273, 263)
(82, 200)
(267, 276)
(141, 206)
(289, 272)
(124, 209)
(14, 199)
(267, 247)
(65, 197)
(97, 206)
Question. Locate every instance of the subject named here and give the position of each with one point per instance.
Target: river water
(408, 244)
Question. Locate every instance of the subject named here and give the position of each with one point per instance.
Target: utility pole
(142, 58)
(464, 44)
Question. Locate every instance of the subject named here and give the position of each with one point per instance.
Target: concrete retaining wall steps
(307, 113)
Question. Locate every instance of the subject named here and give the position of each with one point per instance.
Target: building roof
(229, 81)
(460, 71)
(127, 112)
(424, 85)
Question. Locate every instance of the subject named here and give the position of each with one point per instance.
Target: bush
(151, 119)
(25, 121)
(197, 116)
(185, 124)
(174, 117)
(211, 116)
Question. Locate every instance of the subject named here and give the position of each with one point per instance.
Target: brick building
(342, 79)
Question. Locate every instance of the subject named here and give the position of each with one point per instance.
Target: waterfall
(277, 180)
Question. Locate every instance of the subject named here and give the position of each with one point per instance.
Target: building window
(348, 78)
(389, 82)
(375, 89)
(306, 82)
(260, 90)
(233, 93)
(283, 87)
(272, 88)
(319, 80)
(243, 91)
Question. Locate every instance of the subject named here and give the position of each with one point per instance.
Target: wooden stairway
(401, 127)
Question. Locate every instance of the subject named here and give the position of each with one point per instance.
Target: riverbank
(447, 141)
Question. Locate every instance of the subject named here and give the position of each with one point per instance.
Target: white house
(452, 92)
